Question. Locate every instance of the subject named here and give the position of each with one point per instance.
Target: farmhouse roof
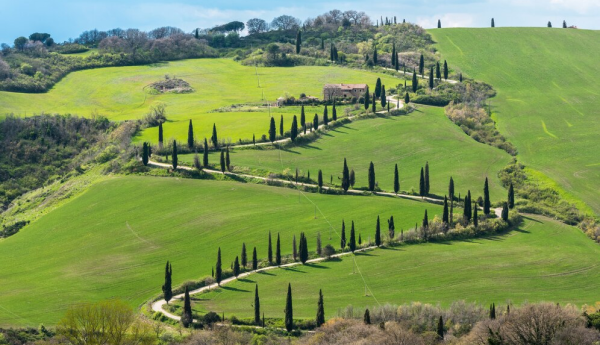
(346, 86)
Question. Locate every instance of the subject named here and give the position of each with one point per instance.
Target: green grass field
(409, 141)
(118, 93)
(548, 100)
(113, 240)
(542, 261)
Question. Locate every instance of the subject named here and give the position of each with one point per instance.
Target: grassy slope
(113, 240)
(543, 261)
(118, 93)
(548, 100)
(389, 141)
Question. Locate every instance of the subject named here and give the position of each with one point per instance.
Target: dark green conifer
(325, 116)
(378, 88)
(475, 216)
(186, 316)
(352, 178)
(281, 127)
(256, 306)
(167, 287)
(345, 177)
(227, 159)
(174, 158)
(406, 98)
(549, 24)
(422, 184)
(460, 78)
(289, 314)
(320, 179)
(493, 23)
(294, 130)
(564, 24)
(236, 267)
(425, 220)
(371, 177)
(396, 180)
(505, 212)
(445, 214)
(244, 256)
(272, 130)
(270, 251)
(438, 73)
(383, 97)
(223, 166)
(445, 70)
(439, 24)
(431, 83)
(303, 119)
(375, 56)
(352, 243)
(422, 66)
(367, 102)
(367, 317)
(343, 239)
(304, 248)
(298, 42)
(320, 310)
(486, 198)
(378, 233)
(160, 134)
(190, 140)
(440, 328)
(415, 82)
(145, 153)
(451, 195)
(427, 190)
(294, 248)
(374, 104)
(278, 251)
(218, 269)
(254, 260)
(214, 138)
(511, 196)
(333, 112)
(316, 122)
(492, 311)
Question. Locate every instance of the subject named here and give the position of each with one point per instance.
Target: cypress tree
(374, 104)
(396, 180)
(378, 88)
(319, 249)
(205, 154)
(493, 24)
(439, 24)
(244, 256)
(549, 24)
(174, 158)
(445, 70)
(375, 56)
(196, 34)
(425, 220)
(316, 122)
(475, 216)
(304, 248)
(186, 316)
(303, 119)
(343, 239)
(431, 84)
(278, 251)
(145, 153)
(254, 260)
(294, 130)
(393, 54)
(383, 98)
(320, 179)
(294, 248)
(451, 194)
(325, 116)
(359, 240)
(486, 198)
(438, 73)
(320, 310)
(422, 184)
(371, 177)
(460, 78)
(345, 177)
(256, 306)
(227, 160)
(281, 126)
(440, 328)
(397, 62)
(391, 228)
(427, 178)
(352, 243)
(214, 138)
(445, 214)
(167, 287)
(378, 233)
(367, 98)
(272, 130)
(236, 267)
(505, 212)
(270, 251)
(415, 82)
(511, 196)
(333, 112)
(564, 24)
(406, 98)
(422, 66)
(367, 317)
(289, 314)
(468, 205)
(492, 311)
(218, 269)
(160, 134)
(223, 161)
(298, 42)
(190, 140)
(352, 178)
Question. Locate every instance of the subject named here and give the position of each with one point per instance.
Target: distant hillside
(548, 101)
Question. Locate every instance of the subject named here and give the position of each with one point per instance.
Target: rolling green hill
(113, 241)
(548, 101)
(542, 261)
(118, 93)
(409, 141)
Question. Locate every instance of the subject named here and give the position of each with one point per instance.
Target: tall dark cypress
(367, 102)
(289, 313)
(333, 112)
(160, 134)
(397, 62)
(352, 243)
(303, 119)
(396, 180)
(254, 260)
(504, 213)
(325, 116)
(345, 177)
(298, 42)
(256, 306)
(492, 311)
(343, 239)
(445, 214)
(236, 267)
(427, 178)
(167, 287)
(439, 24)
(367, 317)
(371, 177)
(278, 251)
(378, 88)
(431, 84)
(227, 159)
(316, 122)
(475, 216)
(320, 310)
(270, 251)
(186, 316)
(422, 66)
(145, 153)
(383, 97)
(445, 70)
(415, 82)
(511, 196)
(375, 56)
(281, 126)
(214, 138)
(352, 178)
(564, 24)
(406, 98)
(438, 73)
(468, 205)
(294, 130)
(218, 269)
(320, 179)
(378, 233)
(451, 195)
(190, 140)
(422, 184)
(493, 23)
(294, 249)
(374, 104)
(425, 220)
(174, 158)
(272, 130)
(486, 198)
(440, 328)
(205, 154)
(304, 248)
(223, 161)
(244, 256)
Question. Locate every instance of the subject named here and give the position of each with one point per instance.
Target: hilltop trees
(439, 24)
(256, 306)
(256, 26)
(493, 24)
(371, 177)
(549, 24)
(396, 180)
(174, 160)
(167, 286)
(486, 198)
(564, 24)
(320, 320)
(190, 139)
(289, 314)
(218, 268)
(186, 316)
(272, 130)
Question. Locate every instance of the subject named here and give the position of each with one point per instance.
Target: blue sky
(65, 19)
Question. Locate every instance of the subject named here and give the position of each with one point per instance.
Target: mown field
(541, 261)
(548, 101)
(113, 240)
(425, 135)
(119, 94)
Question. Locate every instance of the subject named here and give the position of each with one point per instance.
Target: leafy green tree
(254, 260)
(486, 198)
(236, 267)
(281, 127)
(298, 42)
(367, 317)
(20, 43)
(440, 328)
(343, 239)
(190, 140)
(422, 66)
(371, 177)
(383, 97)
(427, 190)
(256, 306)
(511, 196)
(160, 134)
(505, 212)
(145, 153)
(223, 161)
(289, 314)
(396, 180)
(186, 316)
(378, 233)
(270, 252)
(167, 287)
(425, 220)
(333, 112)
(352, 243)
(406, 98)
(294, 130)
(422, 184)
(244, 256)
(218, 268)
(345, 177)
(174, 160)
(320, 179)
(415, 82)
(278, 251)
(214, 138)
(320, 310)
(445, 214)
(378, 88)
(205, 154)
(272, 130)
(445, 70)
(316, 122)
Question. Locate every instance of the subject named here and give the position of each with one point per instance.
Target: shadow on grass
(246, 280)
(267, 273)
(233, 289)
(314, 265)
(312, 147)
(293, 269)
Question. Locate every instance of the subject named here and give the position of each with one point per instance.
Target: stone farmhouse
(343, 91)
